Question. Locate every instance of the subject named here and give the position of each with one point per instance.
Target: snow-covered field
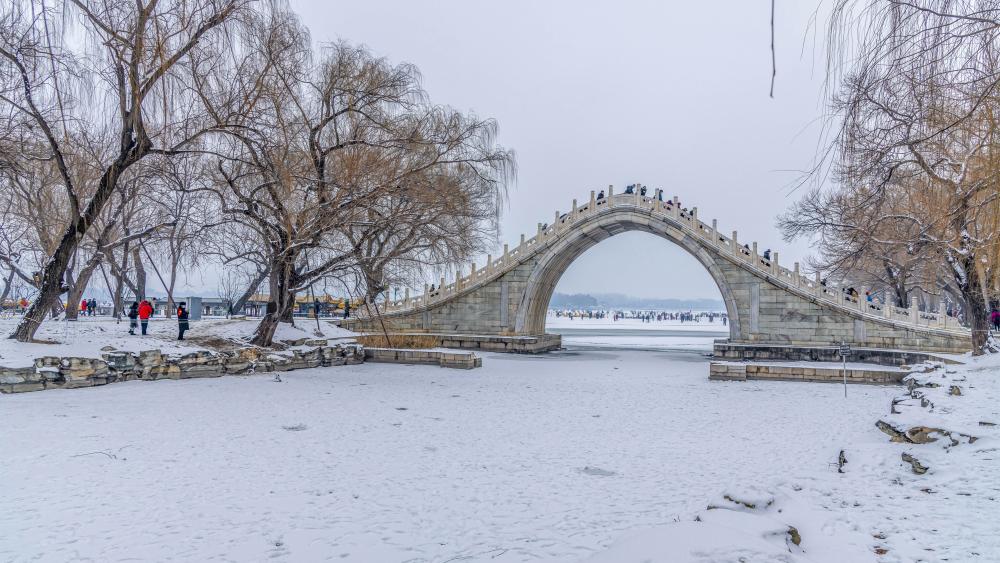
(548, 458)
(599, 454)
(85, 338)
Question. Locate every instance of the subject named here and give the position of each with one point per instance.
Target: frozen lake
(529, 458)
(625, 334)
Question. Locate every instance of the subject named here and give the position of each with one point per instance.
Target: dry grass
(398, 341)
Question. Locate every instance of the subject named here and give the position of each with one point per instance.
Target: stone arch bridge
(503, 305)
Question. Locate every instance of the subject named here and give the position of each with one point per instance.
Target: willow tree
(313, 140)
(916, 98)
(126, 72)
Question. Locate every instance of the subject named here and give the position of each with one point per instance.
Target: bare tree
(320, 141)
(129, 78)
(915, 151)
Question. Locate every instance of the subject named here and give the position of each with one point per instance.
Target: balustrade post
(715, 233)
(694, 216)
(862, 301)
(611, 196)
(798, 277)
(472, 272)
(555, 223)
(538, 235)
(506, 253)
(593, 202)
(774, 264)
(427, 293)
(736, 245)
(914, 314)
(574, 208)
(521, 246)
(753, 255)
(887, 309)
(489, 261)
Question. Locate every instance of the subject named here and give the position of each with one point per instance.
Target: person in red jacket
(83, 308)
(145, 311)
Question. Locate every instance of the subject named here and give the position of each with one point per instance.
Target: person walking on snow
(145, 310)
(83, 308)
(182, 320)
(995, 317)
(133, 317)
(92, 307)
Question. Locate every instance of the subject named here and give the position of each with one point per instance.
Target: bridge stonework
(766, 303)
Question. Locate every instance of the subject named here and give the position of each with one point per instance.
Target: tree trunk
(140, 274)
(241, 302)
(280, 302)
(6, 286)
(51, 286)
(79, 286)
(976, 310)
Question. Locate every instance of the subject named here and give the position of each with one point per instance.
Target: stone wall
(51, 372)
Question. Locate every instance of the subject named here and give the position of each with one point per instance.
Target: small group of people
(140, 312)
(88, 307)
(633, 188)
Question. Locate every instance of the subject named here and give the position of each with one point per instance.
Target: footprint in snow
(598, 472)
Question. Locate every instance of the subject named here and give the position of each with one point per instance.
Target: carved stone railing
(746, 255)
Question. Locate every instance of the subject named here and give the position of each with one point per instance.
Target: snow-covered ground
(552, 321)
(85, 338)
(550, 458)
(635, 334)
(586, 454)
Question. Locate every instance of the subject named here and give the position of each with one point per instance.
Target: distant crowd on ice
(644, 316)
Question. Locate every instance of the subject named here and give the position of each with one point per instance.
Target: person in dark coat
(995, 317)
(347, 308)
(92, 307)
(182, 320)
(133, 317)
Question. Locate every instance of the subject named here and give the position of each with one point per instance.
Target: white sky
(670, 94)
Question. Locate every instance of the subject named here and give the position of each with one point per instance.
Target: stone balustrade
(708, 235)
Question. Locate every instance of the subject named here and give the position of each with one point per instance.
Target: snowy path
(529, 458)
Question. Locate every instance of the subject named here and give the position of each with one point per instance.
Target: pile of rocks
(51, 372)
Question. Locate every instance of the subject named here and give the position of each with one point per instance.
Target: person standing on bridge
(630, 189)
(600, 194)
(642, 191)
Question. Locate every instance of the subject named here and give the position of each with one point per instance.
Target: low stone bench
(458, 360)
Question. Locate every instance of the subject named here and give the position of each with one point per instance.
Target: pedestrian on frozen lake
(83, 308)
(145, 311)
(133, 317)
(995, 317)
(182, 320)
(92, 307)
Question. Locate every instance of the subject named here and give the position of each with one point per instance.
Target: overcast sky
(670, 94)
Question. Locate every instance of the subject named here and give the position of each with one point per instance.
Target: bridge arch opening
(560, 258)
(635, 289)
